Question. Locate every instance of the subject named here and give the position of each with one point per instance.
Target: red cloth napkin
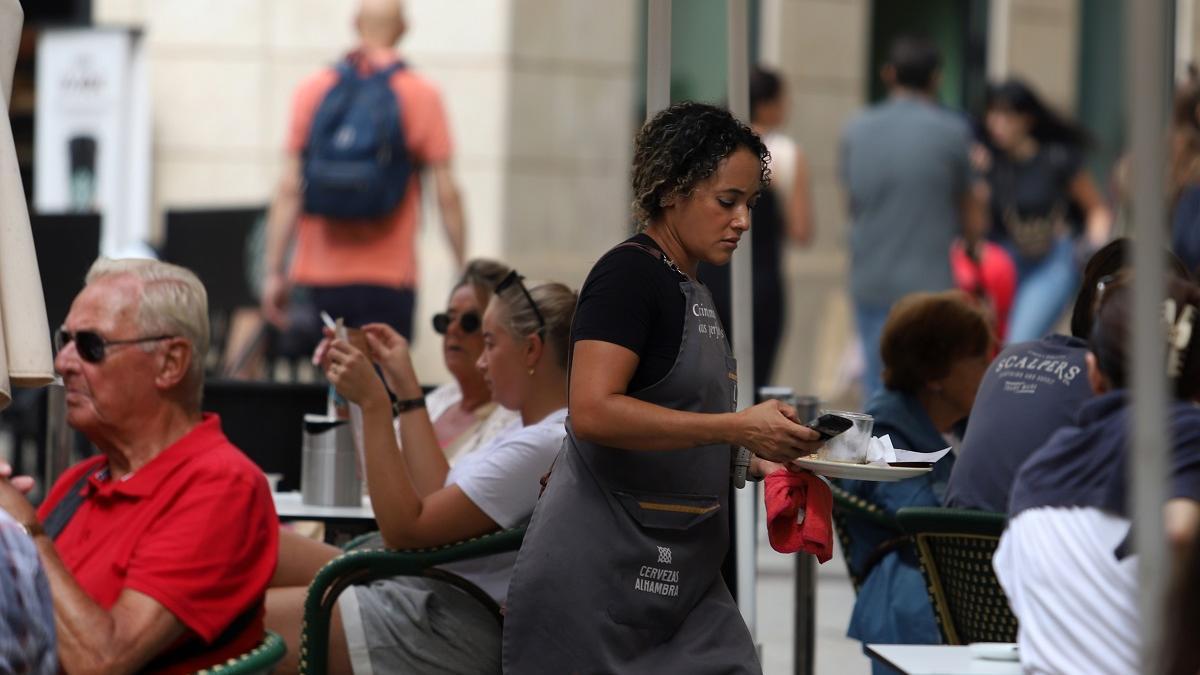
(788, 493)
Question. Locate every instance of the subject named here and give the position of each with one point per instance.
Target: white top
(783, 163)
(504, 480)
(490, 420)
(940, 660)
(1075, 602)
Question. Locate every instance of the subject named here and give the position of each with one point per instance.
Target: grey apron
(620, 571)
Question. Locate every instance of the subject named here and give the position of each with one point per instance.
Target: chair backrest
(212, 243)
(955, 547)
(363, 565)
(265, 420)
(850, 510)
(66, 245)
(261, 659)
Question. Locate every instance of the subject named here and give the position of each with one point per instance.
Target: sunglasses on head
(469, 322)
(90, 346)
(514, 278)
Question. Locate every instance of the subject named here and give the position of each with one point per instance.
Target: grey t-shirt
(905, 169)
(1029, 391)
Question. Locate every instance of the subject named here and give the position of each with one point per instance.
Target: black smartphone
(829, 425)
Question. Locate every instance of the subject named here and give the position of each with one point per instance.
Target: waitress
(620, 569)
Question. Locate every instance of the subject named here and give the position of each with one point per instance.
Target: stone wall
(539, 95)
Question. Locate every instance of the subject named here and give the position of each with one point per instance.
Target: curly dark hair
(680, 147)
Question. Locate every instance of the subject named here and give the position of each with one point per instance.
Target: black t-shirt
(1034, 188)
(633, 300)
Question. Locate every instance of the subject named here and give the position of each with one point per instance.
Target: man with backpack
(360, 134)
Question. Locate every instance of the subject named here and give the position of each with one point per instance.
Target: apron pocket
(668, 511)
(665, 560)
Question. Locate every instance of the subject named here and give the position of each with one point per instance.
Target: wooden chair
(261, 659)
(364, 565)
(955, 547)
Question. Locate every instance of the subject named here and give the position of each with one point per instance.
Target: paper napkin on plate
(881, 452)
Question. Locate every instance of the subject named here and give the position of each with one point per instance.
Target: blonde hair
(555, 301)
(171, 301)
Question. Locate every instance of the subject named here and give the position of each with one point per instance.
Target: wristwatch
(33, 529)
(405, 405)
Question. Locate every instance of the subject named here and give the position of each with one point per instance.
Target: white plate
(873, 472)
(994, 651)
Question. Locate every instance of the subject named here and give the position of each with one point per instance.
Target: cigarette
(328, 320)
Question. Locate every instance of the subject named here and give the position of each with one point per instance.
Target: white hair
(171, 301)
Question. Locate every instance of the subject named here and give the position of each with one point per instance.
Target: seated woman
(408, 624)
(1066, 560)
(465, 417)
(935, 349)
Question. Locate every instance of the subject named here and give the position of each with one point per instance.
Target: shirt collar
(1099, 407)
(1064, 340)
(903, 411)
(145, 480)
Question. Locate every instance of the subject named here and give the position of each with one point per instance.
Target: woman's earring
(531, 371)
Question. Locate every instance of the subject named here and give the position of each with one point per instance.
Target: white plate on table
(994, 651)
(873, 472)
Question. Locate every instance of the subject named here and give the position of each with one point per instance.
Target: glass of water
(851, 445)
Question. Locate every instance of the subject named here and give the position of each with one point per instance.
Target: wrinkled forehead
(106, 303)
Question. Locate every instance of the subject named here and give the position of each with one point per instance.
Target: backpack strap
(347, 68)
(66, 507)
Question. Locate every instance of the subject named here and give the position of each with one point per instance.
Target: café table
(341, 522)
(939, 660)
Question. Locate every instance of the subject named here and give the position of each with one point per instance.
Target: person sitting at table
(935, 347)
(1042, 383)
(404, 624)
(158, 549)
(1067, 560)
(465, 416)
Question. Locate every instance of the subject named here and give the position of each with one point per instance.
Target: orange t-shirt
(377, 252)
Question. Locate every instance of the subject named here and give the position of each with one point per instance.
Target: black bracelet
(407, 405)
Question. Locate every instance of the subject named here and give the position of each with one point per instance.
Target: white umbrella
(26, 359)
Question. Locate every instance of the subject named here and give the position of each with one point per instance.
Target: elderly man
(159, 549)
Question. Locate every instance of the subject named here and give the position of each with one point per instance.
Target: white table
(290, 506)
(939, 660)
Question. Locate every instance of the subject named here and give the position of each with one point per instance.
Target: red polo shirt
(195, 529)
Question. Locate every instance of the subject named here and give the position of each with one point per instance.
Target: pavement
(835, 653)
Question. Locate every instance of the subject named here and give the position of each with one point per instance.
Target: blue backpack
(356, 163)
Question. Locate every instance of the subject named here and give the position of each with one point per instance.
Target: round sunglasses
(469, 322)
(91, 347)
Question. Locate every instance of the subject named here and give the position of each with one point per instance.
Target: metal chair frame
(927, 525)
(362, 566)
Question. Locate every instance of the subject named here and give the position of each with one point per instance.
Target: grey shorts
(418, 625)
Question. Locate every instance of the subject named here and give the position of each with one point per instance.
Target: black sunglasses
(514, 278)
(469, 322)
(91, 346)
